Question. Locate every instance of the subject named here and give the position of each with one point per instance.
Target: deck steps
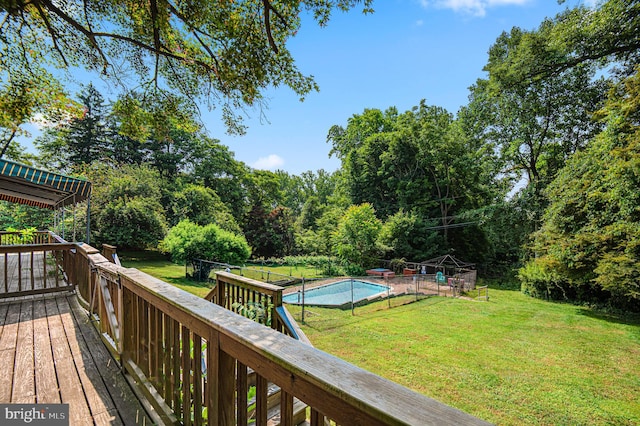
(273, 408)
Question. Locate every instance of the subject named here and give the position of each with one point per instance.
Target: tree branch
(75, 24)
(153, 5)
(6, 145)
(53, 33)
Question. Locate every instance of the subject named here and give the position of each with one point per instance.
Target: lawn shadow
(626, 318)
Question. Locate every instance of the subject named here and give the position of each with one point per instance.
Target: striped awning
(24, 184)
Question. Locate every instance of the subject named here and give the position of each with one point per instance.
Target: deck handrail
(29, 269)
(192, 359)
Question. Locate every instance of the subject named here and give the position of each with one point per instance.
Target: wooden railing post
(221, 374)
(276, 303)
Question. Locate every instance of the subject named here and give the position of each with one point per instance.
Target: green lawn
(297, 271)
(512, 361)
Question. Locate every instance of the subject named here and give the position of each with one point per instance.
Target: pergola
(24, 184)
(448, 265)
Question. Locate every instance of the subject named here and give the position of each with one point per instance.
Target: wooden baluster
(317, 419)
(143, 327)
(262, 389)
(221, 374)
(242, 389)
(6, 269)
(135, 319)
(166, 359)
(197, 380)
(128, 314)
(33, 280)
(186, 376)
(153, 347)
(175, 373)
(57, 254)
(158, 355)
(44, 269)
(19, 271)
(286, 408)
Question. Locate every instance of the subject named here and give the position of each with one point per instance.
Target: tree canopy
(590, 240)
(222, 53)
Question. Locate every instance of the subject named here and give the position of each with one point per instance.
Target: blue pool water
(336, 294)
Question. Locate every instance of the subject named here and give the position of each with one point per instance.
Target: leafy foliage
(356, 239)
(19, 216)
(126, 206)
(202, 206)
(591, 233)
(225, 53)
(187, 241)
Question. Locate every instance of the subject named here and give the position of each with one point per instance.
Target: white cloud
(472, 7)
(271, 162)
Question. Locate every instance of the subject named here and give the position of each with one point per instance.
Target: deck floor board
(9, 334)
(23, 371)
(51, 353)
(47, 389)
(96, 393)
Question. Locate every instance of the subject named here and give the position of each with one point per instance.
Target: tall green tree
(126, 210)
(408, 236)
(83, 139)
(216, 168)
(537, 124)
(201, 206)
(421, 162)
(589, 243)
(165, 126)
(356, 239)
(607, 33)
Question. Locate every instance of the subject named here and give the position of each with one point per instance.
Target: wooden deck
(50, 353)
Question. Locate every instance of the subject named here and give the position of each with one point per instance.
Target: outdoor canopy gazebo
(450, 266)
(27, 185)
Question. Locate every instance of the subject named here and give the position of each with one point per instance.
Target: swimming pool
(337, 294)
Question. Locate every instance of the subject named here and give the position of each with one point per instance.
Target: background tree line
(536, 176)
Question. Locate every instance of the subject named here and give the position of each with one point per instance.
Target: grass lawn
(294, 271)
(511, 361)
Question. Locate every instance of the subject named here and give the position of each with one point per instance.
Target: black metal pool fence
(204, 270)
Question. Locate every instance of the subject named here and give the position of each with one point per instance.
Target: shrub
(539, 278)
(187, 241)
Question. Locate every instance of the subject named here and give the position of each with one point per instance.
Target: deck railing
(35, 263)
(259, 301)
(195, 361)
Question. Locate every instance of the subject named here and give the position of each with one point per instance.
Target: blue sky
(406, 51)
